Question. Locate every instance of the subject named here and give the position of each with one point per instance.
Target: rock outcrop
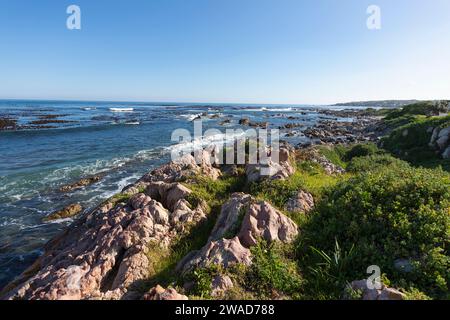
(68, 212)
(440, 141)
(220, 285)
(223, 252)
(184, 168)
(159, 293)
(231, 215)
(273, 170)
(301, 202)
(104, 254)
(264, 221)
(80, 184)
(384, 293)
(314, 156)
(244, 220)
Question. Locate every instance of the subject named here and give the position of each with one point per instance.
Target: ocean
(61, 142)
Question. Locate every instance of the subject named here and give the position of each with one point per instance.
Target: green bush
(375, 162)
(273, 270)
(426, 108)
(384, 215)
(361, 150)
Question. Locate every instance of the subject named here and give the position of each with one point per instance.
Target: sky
(225, 51)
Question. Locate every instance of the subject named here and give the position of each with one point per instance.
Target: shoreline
(115, 250)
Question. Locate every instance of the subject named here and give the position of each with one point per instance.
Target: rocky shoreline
(111, 252)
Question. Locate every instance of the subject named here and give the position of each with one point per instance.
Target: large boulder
(223, 252)
(443, 138)
(301, 202)
(220, 285)
(384, 293)
(159, 293)
(231, 216)
(264, 221)
(273, 170)
(440, 140)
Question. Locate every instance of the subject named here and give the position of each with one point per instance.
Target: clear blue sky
(254, 51)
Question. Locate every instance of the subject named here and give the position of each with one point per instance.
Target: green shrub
(389, 214)
(361, 150)
(375, 162)
(426, 108)
(273, 270)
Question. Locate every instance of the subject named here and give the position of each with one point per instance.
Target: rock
(159, 293)
(139, 201)
(446, 153)
(244, 122)
(224, 252)
(220, 285)
(434, 137)
(7, 124)
(80, 184)
(183, 216)
(184, 168)
(68, 212)
(271, 170)
(313, 155)
(443, 138)
(231, 216)
(101, 256)
(391, 294)
(384, 293)
(302, 202)
(167, 193)
(262, 220)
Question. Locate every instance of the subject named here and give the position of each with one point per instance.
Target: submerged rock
(80, 184)
(68, 212)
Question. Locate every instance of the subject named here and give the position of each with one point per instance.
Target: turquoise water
(121, 146)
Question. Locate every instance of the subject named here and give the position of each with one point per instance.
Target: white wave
(88, 108)
(206, 141)
(133, 123)
(17, 190)
(265, 109)
(191, 117)
(121, 109)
